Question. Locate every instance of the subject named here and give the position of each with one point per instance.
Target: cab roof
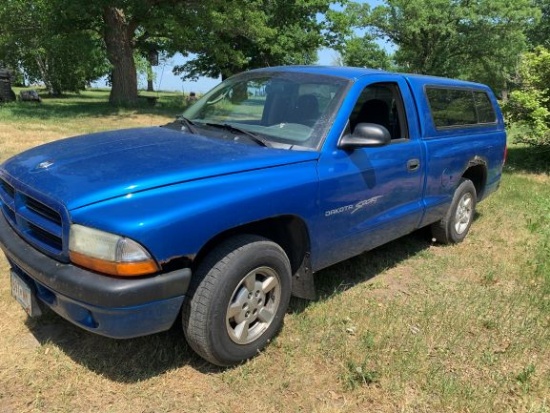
(354, 73)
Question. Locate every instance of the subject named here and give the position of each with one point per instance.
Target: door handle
(413, 164)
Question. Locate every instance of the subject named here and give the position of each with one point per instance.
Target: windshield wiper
(252, 136)
(182, 124)
(190, 126)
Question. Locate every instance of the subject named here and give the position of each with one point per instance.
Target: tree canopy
(128, 27)
(238, 35)
(225, 37)
(538, 33)
(529, 103)
(473, 39)
(30, 39)
(356, 50)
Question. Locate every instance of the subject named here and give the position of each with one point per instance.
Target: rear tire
(237, 300)
(454, 227)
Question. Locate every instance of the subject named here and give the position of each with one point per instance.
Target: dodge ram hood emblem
(44, 165)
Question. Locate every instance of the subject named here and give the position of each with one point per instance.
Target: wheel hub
(464, 212)
(253, 305)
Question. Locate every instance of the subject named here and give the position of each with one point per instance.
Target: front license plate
(22, 293)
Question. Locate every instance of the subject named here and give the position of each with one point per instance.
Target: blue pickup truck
(216, 219)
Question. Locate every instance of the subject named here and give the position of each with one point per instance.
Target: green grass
(408, 327)
(91, 104)
(26, 124)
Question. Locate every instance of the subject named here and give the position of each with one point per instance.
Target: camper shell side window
(459, 107)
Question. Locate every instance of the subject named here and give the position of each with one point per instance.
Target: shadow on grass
(528, 159)
(347, 274)
(124, 361)
(133, 360)
(90, 107)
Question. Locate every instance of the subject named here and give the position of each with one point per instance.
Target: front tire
(237, 300)
(454, 227)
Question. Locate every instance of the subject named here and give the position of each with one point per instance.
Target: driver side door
(371, 195)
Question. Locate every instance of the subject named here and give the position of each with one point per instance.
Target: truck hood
(91, 168)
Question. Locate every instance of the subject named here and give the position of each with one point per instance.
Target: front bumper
(113, 307)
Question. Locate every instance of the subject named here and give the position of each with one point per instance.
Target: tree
(225, 36)
(126, 28)
(529, 104)
(118, 32)
(237, 35)
(538, 33)
(356, 50)
(365, 52)
(474, 39)
(30, 40)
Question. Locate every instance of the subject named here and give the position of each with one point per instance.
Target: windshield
(285, 109)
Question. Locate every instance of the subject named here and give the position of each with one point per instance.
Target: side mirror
(366, 135)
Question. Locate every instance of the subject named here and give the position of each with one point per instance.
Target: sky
(167, 81)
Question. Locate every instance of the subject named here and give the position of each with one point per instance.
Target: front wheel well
(289, 231)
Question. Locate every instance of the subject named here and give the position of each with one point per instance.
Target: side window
(382, 104)
(459, 107)
(485, 110)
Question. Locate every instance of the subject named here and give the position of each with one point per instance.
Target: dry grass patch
(15, 137)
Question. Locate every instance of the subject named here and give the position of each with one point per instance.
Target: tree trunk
(43, 68)
(150, 78)
(150, 85)
(504, 92)
(120, 52)
(152, 60)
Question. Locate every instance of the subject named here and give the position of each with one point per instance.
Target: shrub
(529, 105)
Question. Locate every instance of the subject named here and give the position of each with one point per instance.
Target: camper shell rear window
(460, 107)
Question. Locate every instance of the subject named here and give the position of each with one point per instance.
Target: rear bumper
(113, 307)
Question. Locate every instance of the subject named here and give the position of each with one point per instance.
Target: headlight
(109, 253)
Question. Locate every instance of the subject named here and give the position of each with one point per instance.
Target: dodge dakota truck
(216, 219)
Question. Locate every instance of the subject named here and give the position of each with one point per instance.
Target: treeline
(66, 44)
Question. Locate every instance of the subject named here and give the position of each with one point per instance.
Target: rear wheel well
(477, 173)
